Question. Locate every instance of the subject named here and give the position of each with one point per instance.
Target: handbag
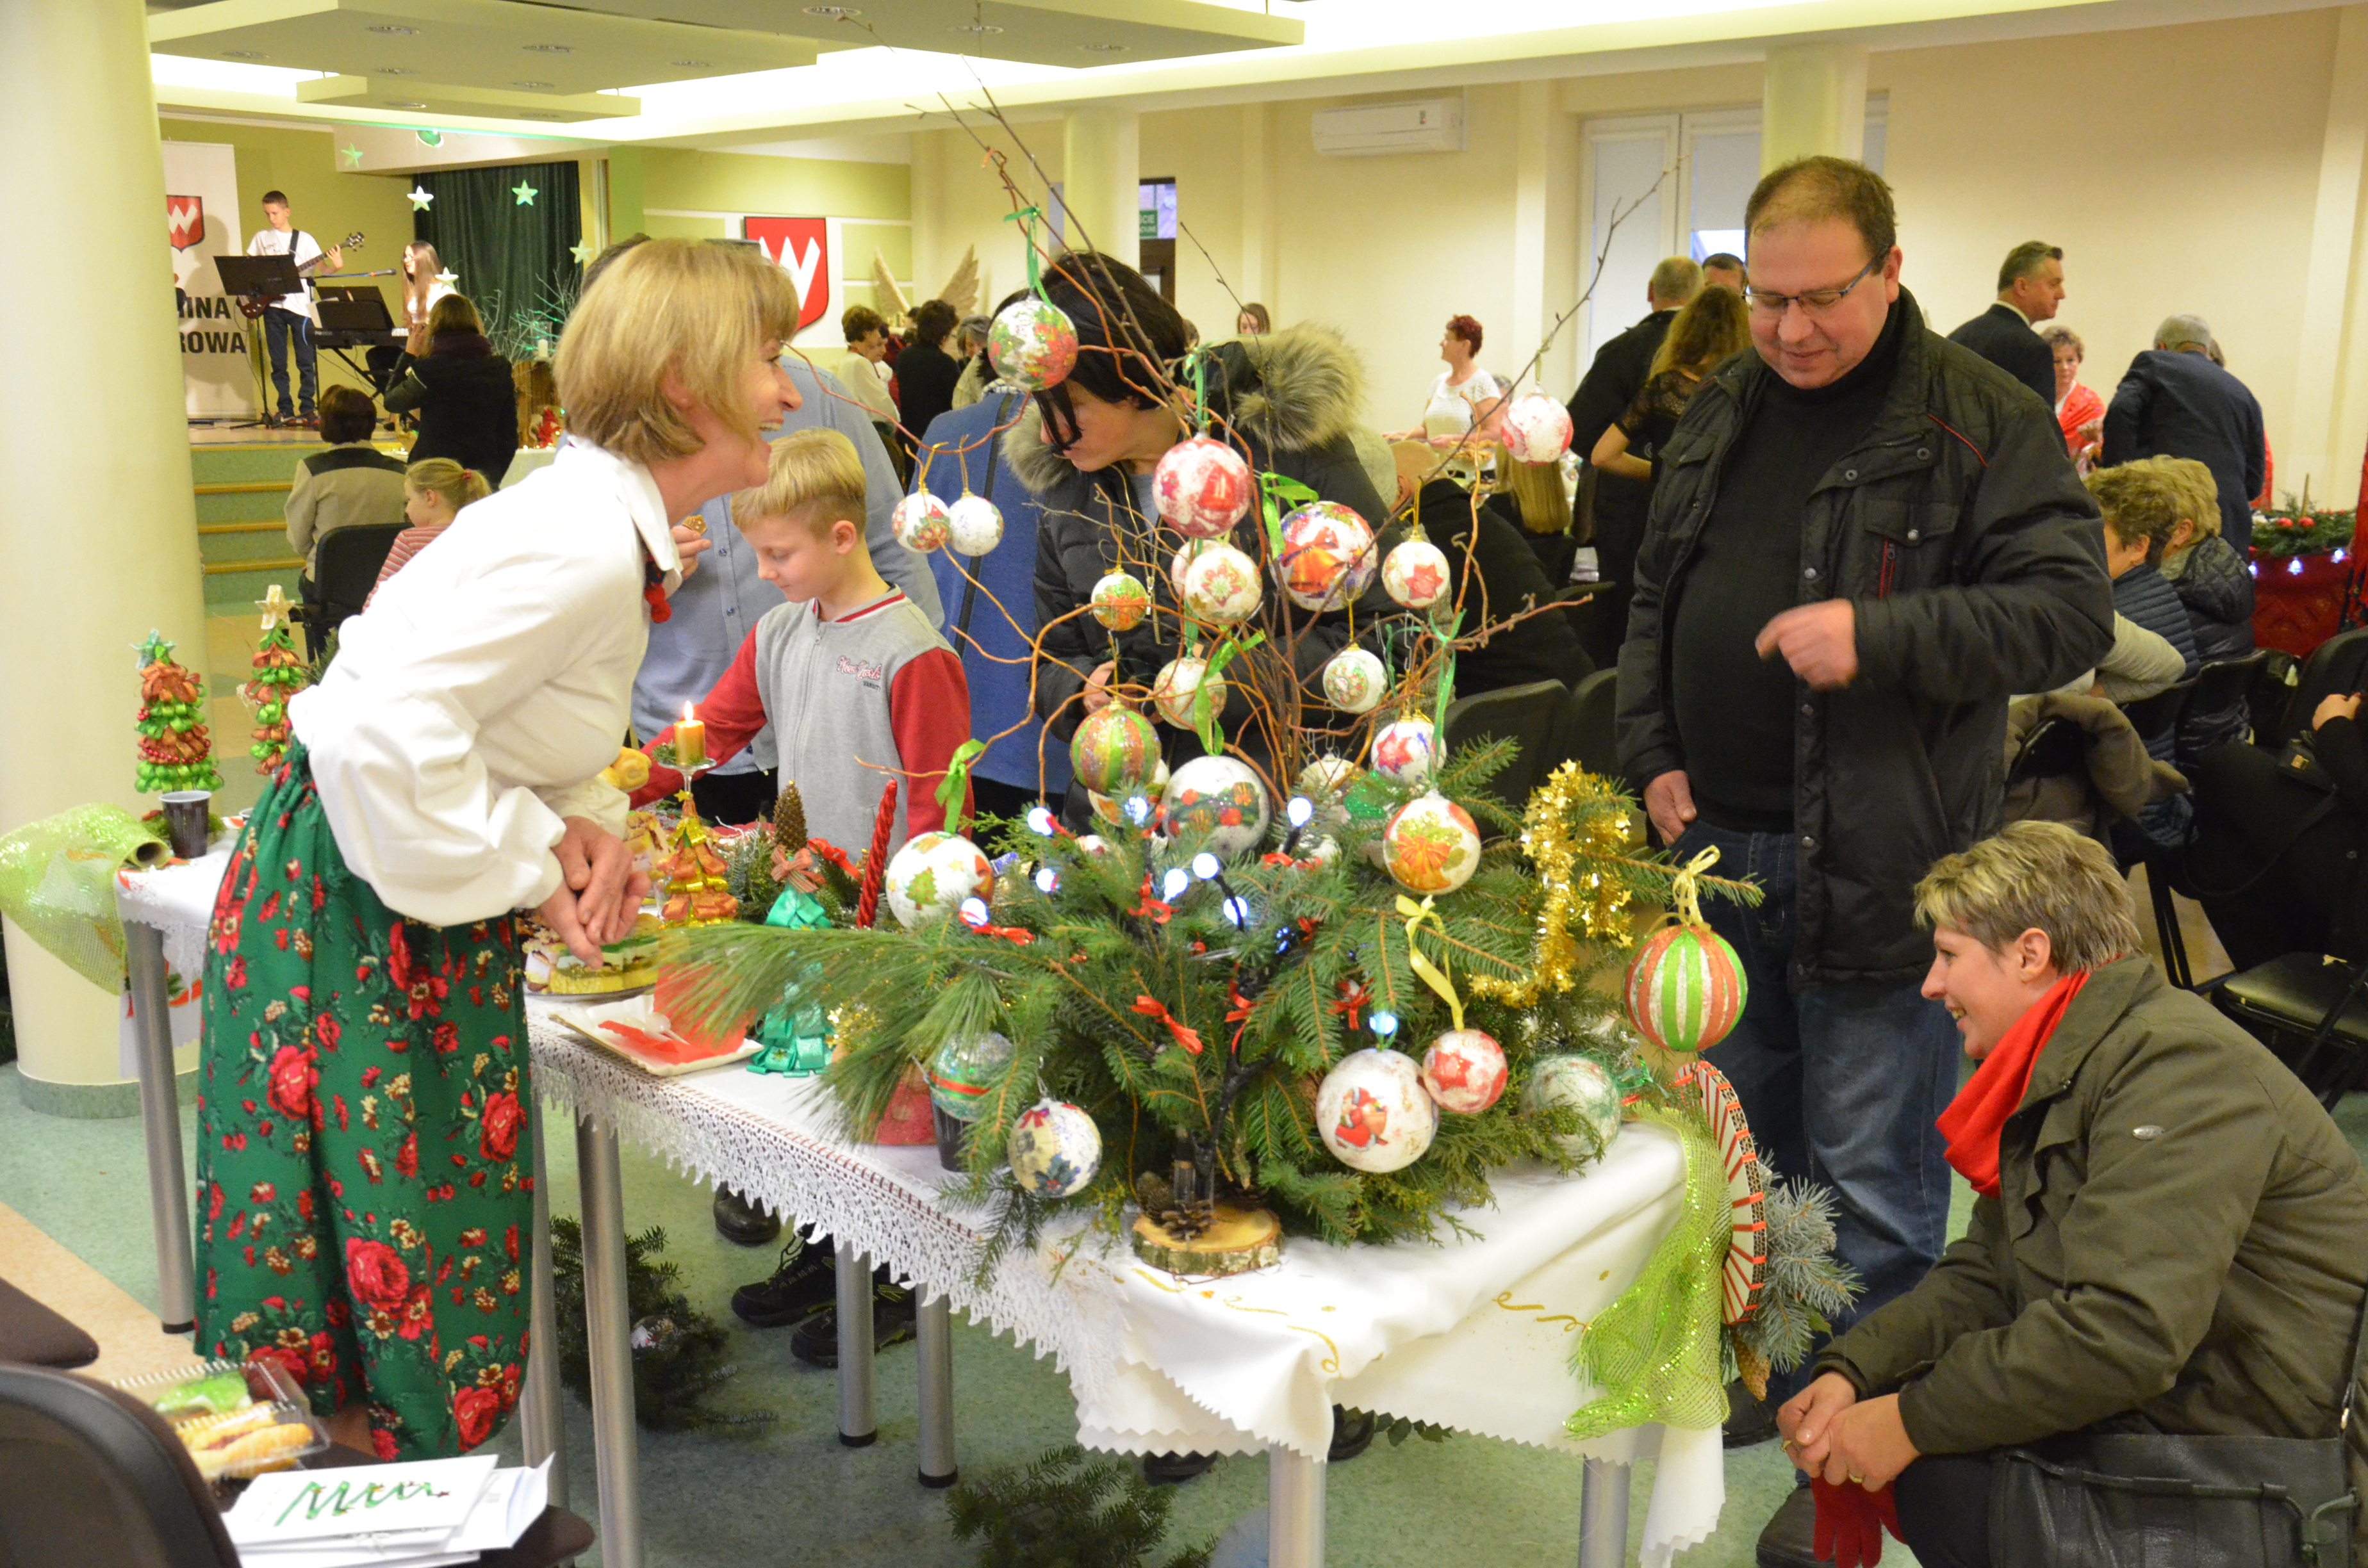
(2151, 1500)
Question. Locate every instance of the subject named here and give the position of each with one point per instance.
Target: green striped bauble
(1686, 988)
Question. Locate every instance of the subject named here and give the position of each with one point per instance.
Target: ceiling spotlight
(547, 48)
(688, 64)
(529, 85)
(538, 114)
(404, 103)
(976, 30)
(833, 13)
(394, 70)
(1103, 48)
(394, 30)
(243, 54)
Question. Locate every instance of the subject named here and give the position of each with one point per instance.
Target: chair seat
(32, 1333)
(2282, 1003)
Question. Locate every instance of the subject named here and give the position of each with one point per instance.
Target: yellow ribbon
(1432, 975)
(1685, 892)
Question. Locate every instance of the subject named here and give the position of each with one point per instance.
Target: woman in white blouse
(365, 1153)
(1465, 401)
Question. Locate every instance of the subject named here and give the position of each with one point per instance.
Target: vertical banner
(200, 223)
(808, 250)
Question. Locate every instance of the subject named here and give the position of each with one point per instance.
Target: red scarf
(1977, 1117)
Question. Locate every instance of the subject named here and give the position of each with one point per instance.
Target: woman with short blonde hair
(366, 1141)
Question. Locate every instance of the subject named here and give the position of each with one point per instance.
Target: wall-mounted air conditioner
(1365, 131)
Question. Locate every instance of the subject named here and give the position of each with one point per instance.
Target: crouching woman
(2165, 1251)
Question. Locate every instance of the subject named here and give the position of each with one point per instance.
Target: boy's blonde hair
(2035, 875)
(813, 478)
(2139, 502)
(442, 476)
(698, 310)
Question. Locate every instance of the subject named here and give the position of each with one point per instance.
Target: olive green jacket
(2180, 1245)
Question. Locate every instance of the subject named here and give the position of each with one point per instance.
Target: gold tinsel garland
(1573, 815)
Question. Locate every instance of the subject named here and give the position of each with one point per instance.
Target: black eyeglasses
(1812, 301)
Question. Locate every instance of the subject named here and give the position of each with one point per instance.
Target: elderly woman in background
(978, 371)
(2165, 1242)
(2080, 413)
(462, 393)
(1465, 401)
(365, 1132)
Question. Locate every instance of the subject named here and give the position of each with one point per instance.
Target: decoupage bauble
(1464, 1071)
(1185, 555)
(1221, 585)
(1055, 1149)
(1373, 1112)
(1219, 796)
(1112, 809)
(1120, 601)
(1536, 428)
(1175, 691)
(1319, 849)
(1201, 487)
(1355, 681)
(1431, 845)
(973, 526)
(963, 1069)
(1093, 844)
(1033, 342)
(1686, 988)
(1328, 556)
(1403, 750)
(1580, 1083)
(1415, 574)
(1115, 751)
(932, 874)
(1325, 780)
(922, 523)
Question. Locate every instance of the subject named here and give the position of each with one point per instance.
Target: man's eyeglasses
(1814, 302)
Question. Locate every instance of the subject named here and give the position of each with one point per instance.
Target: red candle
(875, 864)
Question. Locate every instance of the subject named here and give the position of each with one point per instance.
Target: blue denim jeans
(283, 330)
(1842, 1081)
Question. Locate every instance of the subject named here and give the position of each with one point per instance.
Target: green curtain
(514, 257)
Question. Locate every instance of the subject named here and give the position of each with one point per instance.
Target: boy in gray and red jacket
(857, 685)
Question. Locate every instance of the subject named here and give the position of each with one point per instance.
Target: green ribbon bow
(1204, 714)
(1278, 494)
(956, 784)
(1028, 215)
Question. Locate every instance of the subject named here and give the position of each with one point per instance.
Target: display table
(1473, 1334)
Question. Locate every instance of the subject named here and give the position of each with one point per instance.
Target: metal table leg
(1603, 1514)
(160, 1121)
(608, 1321)
(541, 1419)
(857, 1426)
(934, 1333)
(1295, 1504)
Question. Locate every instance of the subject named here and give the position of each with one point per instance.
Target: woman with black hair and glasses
(1086, 450)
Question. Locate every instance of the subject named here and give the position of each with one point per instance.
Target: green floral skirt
(365, 1164)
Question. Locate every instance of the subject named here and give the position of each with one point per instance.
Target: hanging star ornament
(581, 251)
(448, 277)
(353, 156)
(153, 651)
(525, 193)
(275, 607)
(419, 198)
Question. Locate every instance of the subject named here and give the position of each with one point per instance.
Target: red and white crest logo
(801, 247)
(184, 220)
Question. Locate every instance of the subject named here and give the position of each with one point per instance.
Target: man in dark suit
(2031, 287)
(2175, 403)
(1610, 384)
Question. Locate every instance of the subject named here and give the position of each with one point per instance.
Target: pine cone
(790, 819)
(1188, 1222)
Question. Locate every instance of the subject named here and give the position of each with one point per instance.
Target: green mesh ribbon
(1654, 1354)
(57, 882)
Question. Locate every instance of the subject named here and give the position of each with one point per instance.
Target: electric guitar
(252, 306)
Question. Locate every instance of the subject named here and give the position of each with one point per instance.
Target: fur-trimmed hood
(1289, 391)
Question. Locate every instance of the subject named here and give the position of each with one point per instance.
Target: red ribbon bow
(1153, 909)
(1239, 1017)
(1354, 998)
(1011, 933)
(1152, 1008)
(832, 853)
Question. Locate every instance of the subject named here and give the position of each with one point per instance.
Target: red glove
(1851, 1522)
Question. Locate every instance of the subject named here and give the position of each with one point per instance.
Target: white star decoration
(581, 251)
(353, 156)
(448, 277)
(275, 607)
(419, 198)
(525, 193)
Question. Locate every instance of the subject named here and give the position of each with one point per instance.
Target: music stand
(257, 279)
(351, 314)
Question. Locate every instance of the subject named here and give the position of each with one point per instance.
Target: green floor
(789, 1495)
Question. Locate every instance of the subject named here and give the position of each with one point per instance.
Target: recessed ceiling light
(529, 85)
(976, 30)
(243, 54)
(688, 64)
(538, 114)
(394, 30)
(1103, 48)
(547, 48)
(404, 103)
(833, 13)
(394, 70)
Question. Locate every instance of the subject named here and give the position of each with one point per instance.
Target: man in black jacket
(1610, 384)
(1863, 537)
(2030, 291)
(2175, 403)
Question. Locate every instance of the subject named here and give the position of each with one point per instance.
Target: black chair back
(2156, 716)
(2337, 665)
(2056, 748)
(1584, 731)
(1522, 714)
(345, 565)
(91, 1478)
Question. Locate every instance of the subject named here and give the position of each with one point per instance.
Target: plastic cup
(186, 814)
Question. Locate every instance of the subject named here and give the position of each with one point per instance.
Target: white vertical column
(1257, 280)
(1813, 100)
(1101, 179)
(95, 440)
(2330, 395)
(1533, 124)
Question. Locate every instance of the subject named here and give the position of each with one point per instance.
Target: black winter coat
(1505, 581)
(2173, 404)
(467, 405)
(1973, 559)
(2217, 592)
(2000, 336)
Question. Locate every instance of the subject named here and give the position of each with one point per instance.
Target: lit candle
(689, 740)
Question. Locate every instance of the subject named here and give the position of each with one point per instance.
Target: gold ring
(1856, 1480)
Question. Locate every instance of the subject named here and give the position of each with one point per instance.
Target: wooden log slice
(1236, 1242)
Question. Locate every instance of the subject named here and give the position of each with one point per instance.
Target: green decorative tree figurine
(175, 751)
(279, 674)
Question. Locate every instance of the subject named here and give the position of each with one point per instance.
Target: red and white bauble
(1328, 556)
(1686, 988)
(1203, 487)
(1221, 585)
(1355, 681)
(1055, 1149)
(1415, 574)
(1747, 1192)
(973, 526)
(1371, 1112)
(922, 522)
(1464, 1071)
(1431, 844)
(1120, 601)
(1536, 428)
(1403, 749)
(1175, 692)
